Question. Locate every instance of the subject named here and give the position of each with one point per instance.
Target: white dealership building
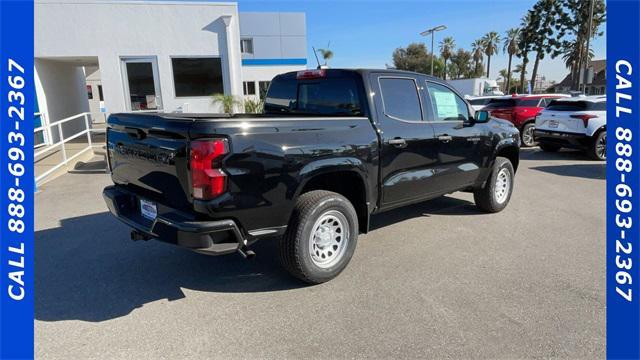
(115, 56)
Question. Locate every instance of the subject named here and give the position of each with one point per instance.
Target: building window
(249, 87)
(197, 76)
(246, 46)
(100, 96)
(263, 86)
(89, 92)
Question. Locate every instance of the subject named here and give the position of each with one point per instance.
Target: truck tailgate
(149, 154)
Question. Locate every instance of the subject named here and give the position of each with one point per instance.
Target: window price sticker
(623, 180)
(16, 179)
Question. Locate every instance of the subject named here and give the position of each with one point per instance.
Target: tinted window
(479, 101)
(325, 96)
(501, 103)
(401, 99)
(197, 76)
(528, 102)
(446, 104)
(599, 106)
(249, 87)
(563, 105)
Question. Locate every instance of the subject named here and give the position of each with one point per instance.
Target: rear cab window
(336, 93)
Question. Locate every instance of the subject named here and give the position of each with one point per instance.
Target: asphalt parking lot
(434, 280)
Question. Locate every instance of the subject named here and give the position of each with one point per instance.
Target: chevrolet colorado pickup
(331, 148)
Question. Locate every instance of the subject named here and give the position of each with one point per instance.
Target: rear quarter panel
(272, 159)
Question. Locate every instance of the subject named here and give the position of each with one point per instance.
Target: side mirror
(482, 116)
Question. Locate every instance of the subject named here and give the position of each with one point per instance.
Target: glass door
(142, 86)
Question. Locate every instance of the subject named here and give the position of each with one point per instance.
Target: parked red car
(521, 110)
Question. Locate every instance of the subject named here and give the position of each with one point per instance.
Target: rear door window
(447, 105)
(401, 99)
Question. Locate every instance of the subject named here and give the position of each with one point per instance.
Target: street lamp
(432, 31)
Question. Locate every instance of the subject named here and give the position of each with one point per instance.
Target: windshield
(335, 94)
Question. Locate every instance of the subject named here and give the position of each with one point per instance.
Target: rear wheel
(496, 193)
(321, 237)
(527, 135)
(598, 150)
(549, 147)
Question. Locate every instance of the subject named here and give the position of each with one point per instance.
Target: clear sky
(365, 33)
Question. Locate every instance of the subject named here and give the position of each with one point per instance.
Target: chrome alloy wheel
(527, 136)
(503, 183)
(329, 239)
(601, 147)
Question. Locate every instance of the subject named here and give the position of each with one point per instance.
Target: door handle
(445, 138)
(398, 142)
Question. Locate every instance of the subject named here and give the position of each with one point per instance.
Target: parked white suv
(579, 122)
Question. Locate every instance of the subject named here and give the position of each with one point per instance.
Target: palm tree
(511, 48)
(490, 40)
(477, 49)
(326, 54)
(446, 50)
(228, 102)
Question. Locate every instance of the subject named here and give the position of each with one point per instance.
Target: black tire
(526, 135)
(295, 246)
(485, 197)
(598, 149)
(546, 147)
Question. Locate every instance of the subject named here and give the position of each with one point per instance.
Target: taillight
(584, 117)
(207, 178)
(311, 74)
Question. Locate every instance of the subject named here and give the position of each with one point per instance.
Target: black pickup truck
(331, 148)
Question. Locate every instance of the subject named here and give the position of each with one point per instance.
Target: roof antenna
(316, 54)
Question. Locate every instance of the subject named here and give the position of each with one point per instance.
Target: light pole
(432, 31)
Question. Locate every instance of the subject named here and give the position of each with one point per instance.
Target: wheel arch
(348, 181)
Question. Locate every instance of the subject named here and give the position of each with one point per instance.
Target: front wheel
(496, 193)
(598, 149)
(528, 139)
(321, 237)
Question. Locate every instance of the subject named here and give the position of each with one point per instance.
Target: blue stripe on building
(250, 62)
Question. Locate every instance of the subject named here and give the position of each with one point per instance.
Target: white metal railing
(47, 129)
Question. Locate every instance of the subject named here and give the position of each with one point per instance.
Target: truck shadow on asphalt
(87, 269)
(596, 171)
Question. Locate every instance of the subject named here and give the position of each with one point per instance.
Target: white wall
(62, 93)
(111, 30)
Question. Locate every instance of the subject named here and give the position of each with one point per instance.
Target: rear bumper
(210, 237)
(572, 140)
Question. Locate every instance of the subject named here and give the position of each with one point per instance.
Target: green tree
(544, 16)
(446, 51)
(477, 49)
(326, 55)
(228, 102)
(511, 48)
(524, 47)
(416, 58)
(491, 41)
(462, 60)
(574, 22)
